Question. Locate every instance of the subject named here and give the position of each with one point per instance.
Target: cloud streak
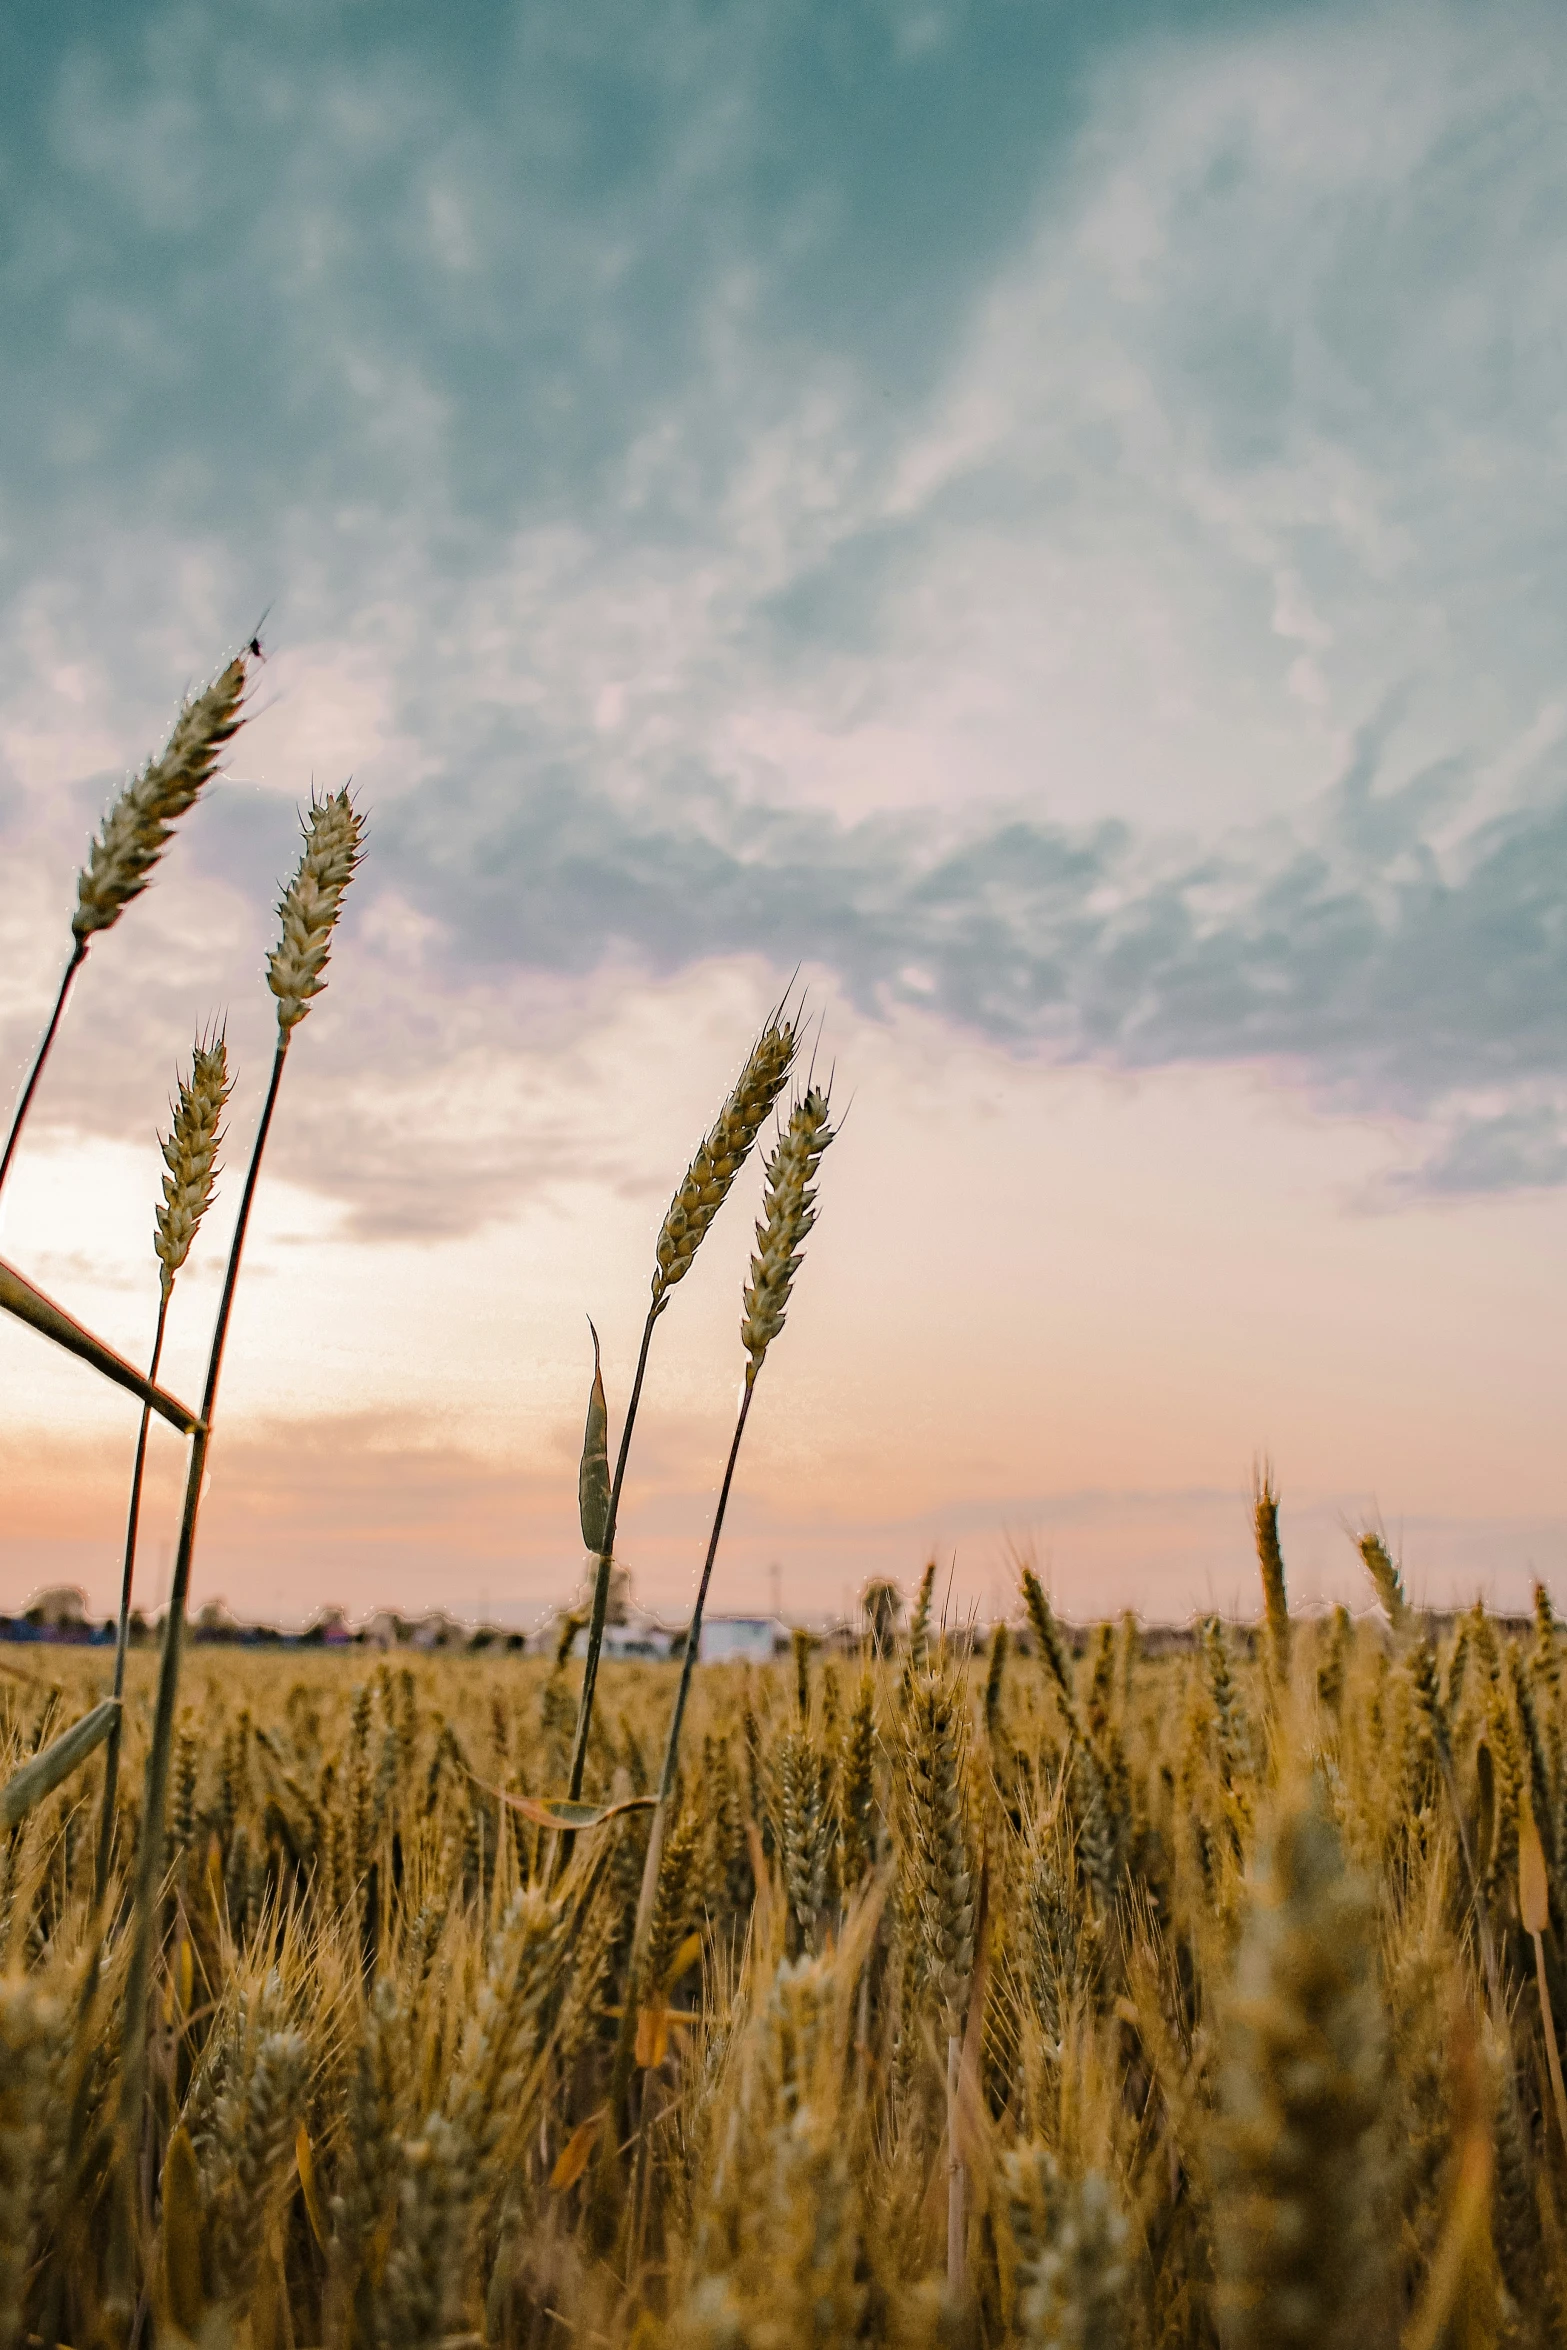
(957, 544)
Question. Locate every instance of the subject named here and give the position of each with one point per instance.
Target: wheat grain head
(708, 1179)
(190, 1156)
(788, 1213)
(309, 907)
(136, 830)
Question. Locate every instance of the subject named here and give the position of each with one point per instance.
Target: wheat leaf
(44, 1772)
(19, 1297)
(593, 1475)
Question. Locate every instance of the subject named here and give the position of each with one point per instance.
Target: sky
(1047, 523)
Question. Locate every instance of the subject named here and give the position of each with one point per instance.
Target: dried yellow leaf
(183, 2292)
(1534, 1897)
(572, 2159)
(305, 2158)
(652, 2035)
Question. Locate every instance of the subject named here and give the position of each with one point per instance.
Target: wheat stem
(1553, 2053)
(636, 1966)
(309, 911)
(111, 1767)
(190, 1161)
(666, 1783)
(149, 1873)
(957, 2242)
(78, 957)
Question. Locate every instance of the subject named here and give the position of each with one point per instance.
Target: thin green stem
(111, 1770)
(149, 1872)
(78, 957)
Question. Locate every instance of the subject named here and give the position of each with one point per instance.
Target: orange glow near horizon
(1042, 1307)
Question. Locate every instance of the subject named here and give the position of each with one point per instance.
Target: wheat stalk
(940, 1887)
(309, 909)
(706, 1185)
(1298, 2168)
(789, 1212)
(133, 837)
(788, 1215)
(190, 1158)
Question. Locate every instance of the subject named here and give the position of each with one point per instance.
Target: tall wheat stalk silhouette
(309, 911)
(190, 1155)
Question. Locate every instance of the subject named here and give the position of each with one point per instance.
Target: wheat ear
(1389, 1583)
(309, 911)
(309, 908)
(1051, 1646)
(1299, 2173)
(1070, 2238)
(133, 837)
(1270, 1563)
(190, 1159)
(919, 1622)
(707, 1184)
(935, 1758)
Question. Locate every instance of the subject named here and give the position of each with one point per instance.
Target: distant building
(640, 1636)
(742, 1640)
(632, 1633)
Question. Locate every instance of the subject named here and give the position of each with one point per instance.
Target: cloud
(1355, 960)
(1059, 535)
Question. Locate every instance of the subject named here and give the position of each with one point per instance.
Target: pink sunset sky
(1111, 647)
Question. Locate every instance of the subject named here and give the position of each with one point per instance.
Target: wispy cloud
(1065, 538)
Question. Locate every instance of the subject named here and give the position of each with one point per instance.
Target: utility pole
(775, 1572)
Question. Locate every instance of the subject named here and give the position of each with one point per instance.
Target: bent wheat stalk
(133, 836)
(40, 1313)
(50, 1768)
(309, 909)
(707, 1184)
(191, 1166)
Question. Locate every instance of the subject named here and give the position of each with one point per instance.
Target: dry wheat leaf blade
(45, 1771)
(572, 2159)
(593, 1475)
(18, 1296)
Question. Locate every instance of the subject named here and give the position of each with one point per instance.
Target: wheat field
(1081, 1992)
(1208, 1931)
